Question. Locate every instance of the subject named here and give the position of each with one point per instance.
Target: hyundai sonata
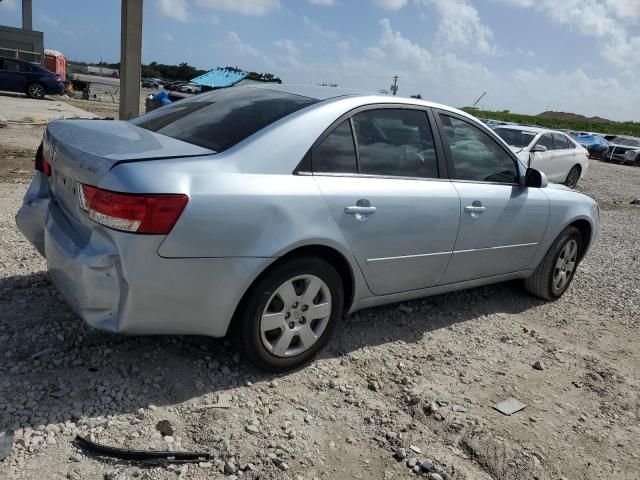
(267, 213)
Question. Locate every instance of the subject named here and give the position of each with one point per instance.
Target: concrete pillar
(27, 15)
(130, 58)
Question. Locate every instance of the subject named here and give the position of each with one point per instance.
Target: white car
(557, 155)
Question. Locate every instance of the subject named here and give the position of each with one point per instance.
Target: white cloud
(48, 20)
(446, 78)
(167, 37)
(461, 27)
(606, 20)
(245, 7)
(320, 31)
(288, 46)
(391, 4)
(176, 9)
(393, 46)
(9, 4)
(323, 3)
(235, 47)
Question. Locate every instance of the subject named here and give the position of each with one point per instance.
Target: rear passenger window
(477, 156)
(337, 153)
(560, 141)
(395, 142)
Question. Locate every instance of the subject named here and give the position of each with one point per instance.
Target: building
(22, 43)
(226, 77)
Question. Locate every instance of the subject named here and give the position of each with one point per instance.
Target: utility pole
(394, 87)
(130, 58)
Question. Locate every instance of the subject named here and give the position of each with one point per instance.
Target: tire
(35, 90)
(282, 347)
(543, 282)
(573, 176)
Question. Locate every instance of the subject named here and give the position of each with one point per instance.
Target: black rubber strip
(153, 456)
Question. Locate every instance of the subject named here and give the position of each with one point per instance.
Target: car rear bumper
(117, 282)
(54, 88)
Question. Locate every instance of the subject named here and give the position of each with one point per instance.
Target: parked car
(624, 150)
(266, 213)
(557, 155)
(595, 144)
(190, 88)
(150, 83)
(174, 86)
(29, 78)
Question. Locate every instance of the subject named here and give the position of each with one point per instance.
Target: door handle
(355, 209)
(474, 209)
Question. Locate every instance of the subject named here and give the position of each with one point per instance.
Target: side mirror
(535, 179)
(539, 148)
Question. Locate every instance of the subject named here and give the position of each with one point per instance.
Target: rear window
(221, 119)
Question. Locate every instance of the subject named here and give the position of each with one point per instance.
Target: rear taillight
(151, 214)
(39, 159)
(42, 164)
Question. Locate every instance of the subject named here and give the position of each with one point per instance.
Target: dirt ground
(418, 379)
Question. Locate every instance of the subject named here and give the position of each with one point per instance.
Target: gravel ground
(400, 387)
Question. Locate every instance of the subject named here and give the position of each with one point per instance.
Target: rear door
(565, 156)
(501, 223)
(385, 192)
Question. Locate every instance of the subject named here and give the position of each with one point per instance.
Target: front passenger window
(477, 156)
(546, 140)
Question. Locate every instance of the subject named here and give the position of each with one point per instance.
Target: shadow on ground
(55, 368)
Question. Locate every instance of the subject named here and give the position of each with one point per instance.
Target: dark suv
(30, 78)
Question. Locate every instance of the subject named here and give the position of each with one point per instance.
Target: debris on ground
(510, 406)
(6, 444)
(538, 365)
(145, 456)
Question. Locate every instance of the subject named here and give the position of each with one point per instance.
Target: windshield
(629, 142)
(515, 138)
(223, 118)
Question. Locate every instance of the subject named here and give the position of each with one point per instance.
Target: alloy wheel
(573, 177)
(295, 316)
(565, 265)
(36, 90)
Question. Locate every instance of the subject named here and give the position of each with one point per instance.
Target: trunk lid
(85, 150)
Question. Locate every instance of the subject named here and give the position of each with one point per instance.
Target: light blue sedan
(268, 213)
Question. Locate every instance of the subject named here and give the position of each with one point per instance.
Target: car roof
(314, 91)
(322, 94)
(527, 128)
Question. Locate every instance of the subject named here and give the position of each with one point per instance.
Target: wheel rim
(295, 316)
(36, 90)
(572, 180)
(565, 265)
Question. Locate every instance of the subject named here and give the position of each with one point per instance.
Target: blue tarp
(162, 97)
(219, 78)
(591, 141)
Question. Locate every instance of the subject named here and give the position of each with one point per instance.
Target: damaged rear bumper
(117, 282)
(32, 216)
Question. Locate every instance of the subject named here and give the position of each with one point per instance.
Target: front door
(501, 222)
(384, 192)
(546, 162)
(11, 78)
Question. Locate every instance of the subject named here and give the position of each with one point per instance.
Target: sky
(529, 56)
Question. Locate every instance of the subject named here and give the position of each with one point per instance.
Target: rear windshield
(515, 138)
(219, 120)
